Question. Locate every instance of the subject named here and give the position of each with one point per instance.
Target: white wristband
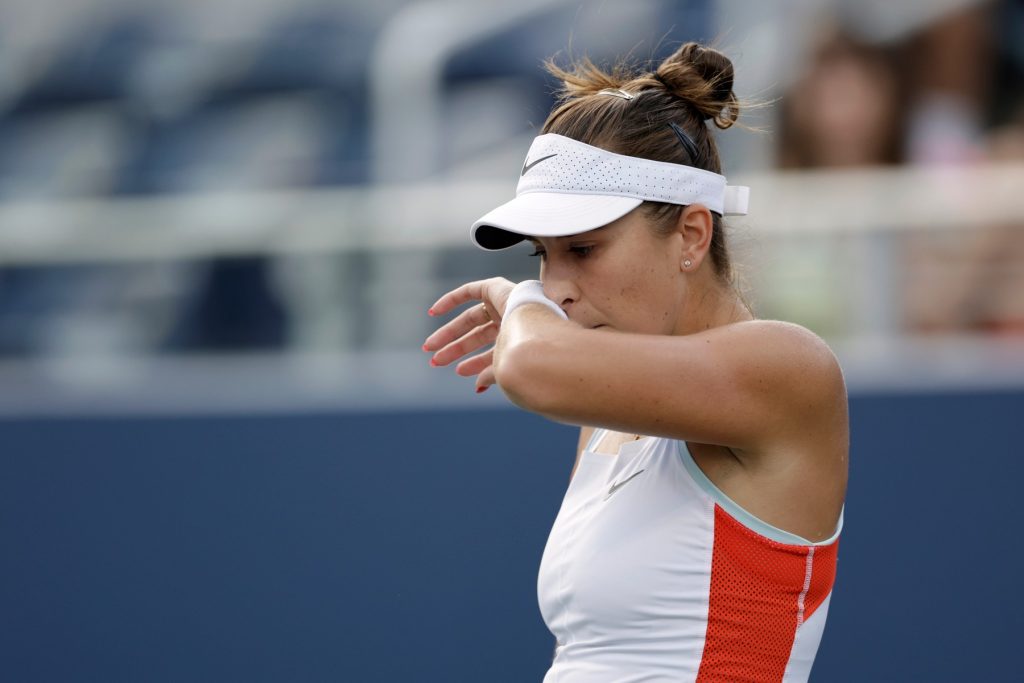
(531, 292)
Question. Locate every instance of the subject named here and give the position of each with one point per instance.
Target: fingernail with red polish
(430, 311)
(433, 363)
(425, 348)
(481, 390)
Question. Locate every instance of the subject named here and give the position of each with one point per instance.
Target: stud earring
(687, 263)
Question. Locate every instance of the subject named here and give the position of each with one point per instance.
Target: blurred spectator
(846, 110)
(971, 281)
(950, 67)
(923, 100)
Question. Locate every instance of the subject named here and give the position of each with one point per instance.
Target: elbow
(522, 371)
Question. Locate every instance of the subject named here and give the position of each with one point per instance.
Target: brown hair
(665, 121)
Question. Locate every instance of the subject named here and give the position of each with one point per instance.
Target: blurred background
(223, 455)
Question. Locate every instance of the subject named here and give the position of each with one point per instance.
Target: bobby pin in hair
(688, 145)
(616, 92)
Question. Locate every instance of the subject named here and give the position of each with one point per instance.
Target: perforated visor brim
(548, 214)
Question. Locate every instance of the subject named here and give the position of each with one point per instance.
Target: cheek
(637, 294)
(647, 274)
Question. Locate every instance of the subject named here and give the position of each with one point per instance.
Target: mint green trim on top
(741, 515)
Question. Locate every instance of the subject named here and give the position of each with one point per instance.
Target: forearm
(527, 353)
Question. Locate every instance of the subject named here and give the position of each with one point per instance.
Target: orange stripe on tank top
(758, 587)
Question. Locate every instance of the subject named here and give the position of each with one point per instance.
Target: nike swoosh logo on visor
(619, 485)
(527, 167)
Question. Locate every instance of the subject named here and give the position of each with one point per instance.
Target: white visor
(567, 187)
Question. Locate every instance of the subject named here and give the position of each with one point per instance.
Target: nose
(560, 287)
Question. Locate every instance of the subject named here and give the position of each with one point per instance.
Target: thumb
(485, 379)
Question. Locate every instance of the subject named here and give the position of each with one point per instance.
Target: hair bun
(703, 77)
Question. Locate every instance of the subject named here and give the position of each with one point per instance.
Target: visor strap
(735, 201)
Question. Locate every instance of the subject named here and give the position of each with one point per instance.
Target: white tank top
(651, 573)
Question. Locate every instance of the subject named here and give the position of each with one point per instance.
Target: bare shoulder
(796, 378)
(786, 339)
(788, 364)
(795, 347)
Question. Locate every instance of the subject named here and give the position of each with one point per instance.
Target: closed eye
(582, 252)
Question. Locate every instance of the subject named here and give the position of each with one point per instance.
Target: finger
(480, 336)
(467, 292)
(449, 332)
(476, 364)
(485, 379)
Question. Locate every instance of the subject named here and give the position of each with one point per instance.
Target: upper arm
(740, 385)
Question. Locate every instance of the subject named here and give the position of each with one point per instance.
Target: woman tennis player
(697, 538)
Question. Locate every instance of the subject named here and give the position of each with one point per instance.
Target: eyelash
(582, 252)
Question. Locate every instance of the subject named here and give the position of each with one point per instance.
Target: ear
(695, 226)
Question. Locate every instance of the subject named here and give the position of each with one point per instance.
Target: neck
(712, 306)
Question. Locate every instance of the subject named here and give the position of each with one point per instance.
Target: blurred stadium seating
(118, 118)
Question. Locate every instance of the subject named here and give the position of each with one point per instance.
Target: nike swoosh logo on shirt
(527, 167)
(615, 487)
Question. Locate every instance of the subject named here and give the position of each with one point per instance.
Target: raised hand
(472, 329)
